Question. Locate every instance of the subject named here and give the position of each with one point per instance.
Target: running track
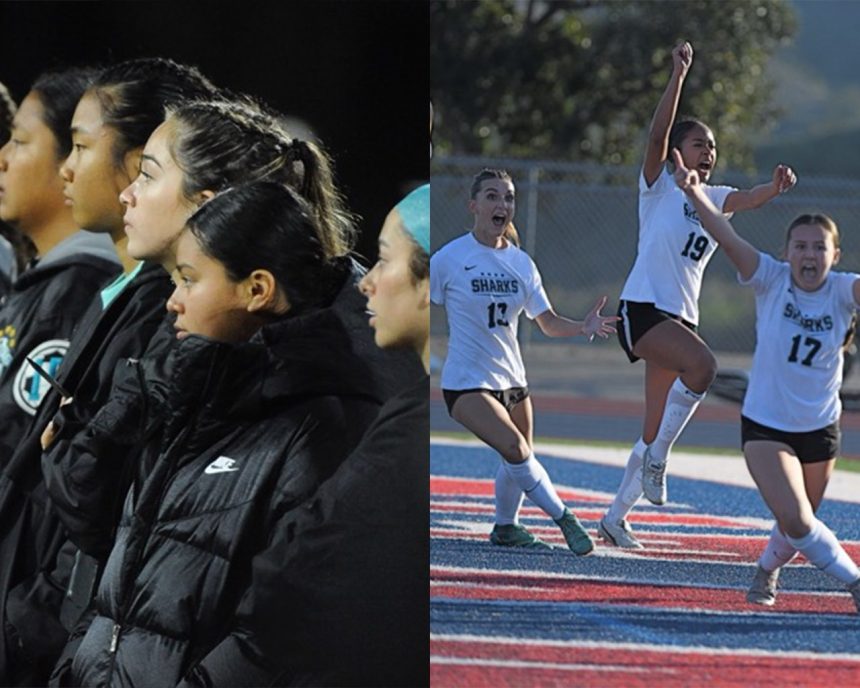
(671, 615)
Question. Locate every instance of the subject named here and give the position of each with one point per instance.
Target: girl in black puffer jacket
(262, 398)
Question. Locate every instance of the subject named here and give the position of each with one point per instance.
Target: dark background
(355, 70)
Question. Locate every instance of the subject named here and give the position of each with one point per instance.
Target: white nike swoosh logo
(223, 464)
(211, 470)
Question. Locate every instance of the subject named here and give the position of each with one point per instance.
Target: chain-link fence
(579, 223)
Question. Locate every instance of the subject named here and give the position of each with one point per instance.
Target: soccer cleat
(515, 535)
(618, 534)
(854, 589)
(654, 479)
(763, 588)
(577, 538)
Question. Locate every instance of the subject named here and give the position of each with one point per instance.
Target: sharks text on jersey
(822, 323)
(494, 287)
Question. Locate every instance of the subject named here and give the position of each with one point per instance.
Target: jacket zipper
(114, 643)
(114, 637)
(172, 451)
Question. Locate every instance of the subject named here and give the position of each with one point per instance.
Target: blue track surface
(702, 548)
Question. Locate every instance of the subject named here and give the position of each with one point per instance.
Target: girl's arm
(554, 325)
(657, 148)
(783, 179)
(743, 254)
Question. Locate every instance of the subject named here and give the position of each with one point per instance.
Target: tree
(579, 79)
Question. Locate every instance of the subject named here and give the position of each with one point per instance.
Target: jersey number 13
(496, 313)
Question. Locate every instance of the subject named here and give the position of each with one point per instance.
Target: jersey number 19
(696, 246)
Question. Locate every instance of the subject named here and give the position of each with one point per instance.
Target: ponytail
(316, 185)
(224, 143)
(512, 235)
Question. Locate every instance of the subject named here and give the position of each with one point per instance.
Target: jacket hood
(81, 242)
(82, 247)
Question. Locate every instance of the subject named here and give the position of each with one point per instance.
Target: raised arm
(657, 148)
(784, 178)
(743, 254)
(554, 325)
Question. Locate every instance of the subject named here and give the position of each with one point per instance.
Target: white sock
(509, 498)
(630, 489)
(777, 552)
(823, 550)
(534, 481)
(681, 404)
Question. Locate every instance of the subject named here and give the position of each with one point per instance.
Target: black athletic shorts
(636, 319)
(506, 397)
(810, 447)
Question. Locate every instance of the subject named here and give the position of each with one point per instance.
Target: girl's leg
(489, 420)
(509, 496)
(671, 352)
(780, 480)
(575, 535)
(613, 527)
(779, 551)
(520, 463)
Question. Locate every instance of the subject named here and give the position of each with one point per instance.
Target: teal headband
(415, 214)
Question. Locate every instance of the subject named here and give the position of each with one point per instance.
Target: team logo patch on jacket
(29, 387)
(8, 337)
(223, 464)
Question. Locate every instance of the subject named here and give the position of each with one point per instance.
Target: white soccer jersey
(484, 290)
(797, 366)
(673, 249)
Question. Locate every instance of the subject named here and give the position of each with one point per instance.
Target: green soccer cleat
(578, 539)
(854, 589)
(515, 535)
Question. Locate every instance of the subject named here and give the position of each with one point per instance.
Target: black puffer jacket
(85, 473)
(30, 554)
(249, 432)
(37, 319)
(341, 597)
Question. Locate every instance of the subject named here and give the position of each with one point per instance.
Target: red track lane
(479, 664)
(671, 546)
(666, 518)
(490, 586)
(481, 487)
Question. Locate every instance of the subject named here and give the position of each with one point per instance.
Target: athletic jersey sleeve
(718, 195)
(437, 278)
(665, 183)
(767, 272)
(660, 185)
(845, 287)
(537, 301)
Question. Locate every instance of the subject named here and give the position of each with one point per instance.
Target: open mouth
(809, 271)
(500, 219)
(705, 167)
